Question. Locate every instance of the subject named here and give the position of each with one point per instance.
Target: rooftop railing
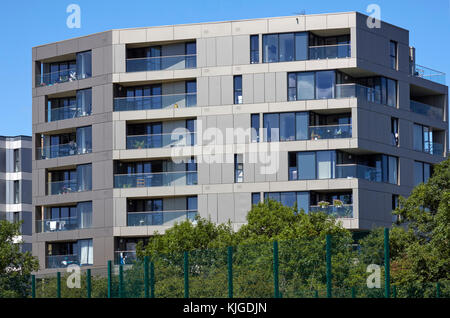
(428, 74)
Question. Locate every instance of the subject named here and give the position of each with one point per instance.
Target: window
(254, 49)
(84, 65)
(191, 93)
(256, 198)
(16, 217)
(422, 172)
(393, 54)
(391, 93)
(423, 138)
(191, 55)
(238, 168)
(312, 165)
(16, 160)
(395, 204)
(271, 127)
(311, 85)
(394, 131)
(287, 126)
(84, 103)
(86, 253)
(306, 165)
(392, 170)
(255, 127)
(84, 140)
(285, 47)
(291, 199)
(84, 177)
(16, 191)
(238, 89)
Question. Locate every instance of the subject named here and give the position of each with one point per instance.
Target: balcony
(329, 51)
(67, 112)
(344, 211)
(161, 140)
(434, 148)
(173, 62)
(61, 261)
(159, 179)
(426, 110)
(63, 224)
(62, 150)
(428, 74)
(155, 102)
(159, 218)
(359, 172)
(330, 131)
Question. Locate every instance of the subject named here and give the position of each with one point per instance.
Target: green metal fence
(315, 267)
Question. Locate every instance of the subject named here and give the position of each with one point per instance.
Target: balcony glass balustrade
(329, 51)
(359, 172)
(62, 150)
(157, 218)
(160, 140)
(155, 102)
(67, 112)
(161, 179)
(330, 131)
(344, 211)
(158, 63)
(426, 110)
(61, 261)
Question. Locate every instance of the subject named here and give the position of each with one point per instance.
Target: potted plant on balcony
(323, 204)
(314, 136)
(139, 144)
(338, 203)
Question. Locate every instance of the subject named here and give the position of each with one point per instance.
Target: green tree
(15, 266)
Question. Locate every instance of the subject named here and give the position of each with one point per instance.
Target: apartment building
(136, 129)
(15, 184)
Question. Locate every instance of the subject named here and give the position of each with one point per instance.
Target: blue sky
(25, 24)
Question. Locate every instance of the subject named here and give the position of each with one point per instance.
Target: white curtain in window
(85, 214)
(86, 252)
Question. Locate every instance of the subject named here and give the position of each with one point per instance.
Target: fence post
(120, 281)
(387, 274)
(109, 279)
(353, 292)
(58, 285)
(316, 294)
(186, 275)
(275, 270)
(146, 290)
(394, 291)
(88, 283)
(33, 286)
(328, 260)
(438, 290)
(152, 280)
(230, 272)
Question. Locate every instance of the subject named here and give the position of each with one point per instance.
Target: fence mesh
(298, 267)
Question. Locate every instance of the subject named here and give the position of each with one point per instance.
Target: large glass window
(287, 126)
(271, 127)
(238, 89)
(301, 125)
(16, 192)
(84, 210)
(393, 167)
(393, 54)
(391, 93)
(286, 42)
(418, 137)
(301, 46)
(191, 93)
(84, 177)
(326, 163)
(84, 102)
(86, 253)
(325, 84)
(84, 65)
(191, 55)
(270, 48)
(305, 85)
(16, 160)
(422, 172)
(84, 139)
(255, 127)
(256, 198)
(254, 49)
(306, 165)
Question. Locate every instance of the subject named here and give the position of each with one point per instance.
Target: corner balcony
(341, 211)
(159, 63)
(359, 172)
(158, 179)
(337, 51)
(155, 102)
(159, 218)
(330, 131)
